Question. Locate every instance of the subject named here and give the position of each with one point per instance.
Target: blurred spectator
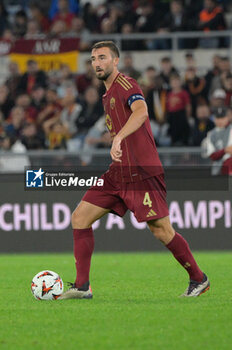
(2, 125)
(8, 35)
(64, 13)
(167, 70)
(65, 73)
(33, 30)
(13, 79)
(156, 103)
(193, 8)
(190, 60)
(90, 17)
(211, 18)
(120, 12)
(56, 134)
(213, 72)
(91, 111)
(64, 85)
(78, 30)
(58, 28)
(224, 64)
(73, 7)
(53, 77)
(19, 27)
(203, 124)
(227, 86)
(38, 100)
(6, 103)
(83, 81)
(148, 17)
(229, 113)
(32, 77)
(37, 15)
(224, 70)
(128, 45)
(17, 163)
(195, 86)
(218, 144)
(218, 99)
(32, 137)
(98, 84)
(148, 80)
(178, 112)
(107, 26)
(150, 76)
(52, 108)
(71, 111)
(176, 20)
(97, 137)
(128, 67)
(148, 21)
(15, 122)
(30, 113)
(3, 18)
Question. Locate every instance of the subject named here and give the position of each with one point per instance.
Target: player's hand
(228, 149)
(116, 152)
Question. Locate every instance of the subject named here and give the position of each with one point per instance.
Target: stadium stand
(61, 109)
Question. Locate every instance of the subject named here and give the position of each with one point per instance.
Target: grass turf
(135, 304)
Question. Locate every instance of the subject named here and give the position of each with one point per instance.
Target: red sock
(83, 247)
(181, 251)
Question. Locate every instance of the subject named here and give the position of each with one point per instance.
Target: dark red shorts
(146, 198)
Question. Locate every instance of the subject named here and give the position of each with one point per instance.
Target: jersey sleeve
(129, 90)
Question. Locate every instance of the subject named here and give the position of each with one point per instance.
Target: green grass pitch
(135, 305)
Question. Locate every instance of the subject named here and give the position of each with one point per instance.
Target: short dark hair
(30, 62)
(175, 76)
(165, 59)
(224, 58)
(110, 44)
(151, 68)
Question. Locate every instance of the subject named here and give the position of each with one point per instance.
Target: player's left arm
(137, 118)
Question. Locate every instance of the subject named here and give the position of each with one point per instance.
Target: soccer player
(134, 181)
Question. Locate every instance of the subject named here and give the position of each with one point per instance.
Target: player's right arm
(137, 118)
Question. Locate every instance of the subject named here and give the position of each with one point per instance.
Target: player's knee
(79, 220)
(161, 234)
(162, 230)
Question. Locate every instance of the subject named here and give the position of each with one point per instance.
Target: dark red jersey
(140, 159)
(177, 101)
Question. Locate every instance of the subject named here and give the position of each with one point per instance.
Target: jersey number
(147, 200)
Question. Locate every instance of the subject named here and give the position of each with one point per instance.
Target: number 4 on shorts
(147, 200)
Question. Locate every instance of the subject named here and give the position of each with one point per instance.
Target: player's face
(103, 62)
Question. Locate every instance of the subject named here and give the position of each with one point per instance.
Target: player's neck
(110, 79)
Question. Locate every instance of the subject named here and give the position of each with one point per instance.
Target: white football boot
(195, 288)
(84, 292)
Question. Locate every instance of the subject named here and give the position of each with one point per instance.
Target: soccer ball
(47, 285)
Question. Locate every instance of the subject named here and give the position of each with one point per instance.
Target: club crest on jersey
(109, 122)
(112, 102)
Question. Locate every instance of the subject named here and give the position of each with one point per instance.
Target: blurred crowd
(55, 18)
(62, 110)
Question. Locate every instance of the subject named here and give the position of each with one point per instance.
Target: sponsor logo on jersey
(112, 102)
(151, 213)
(109, 122)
